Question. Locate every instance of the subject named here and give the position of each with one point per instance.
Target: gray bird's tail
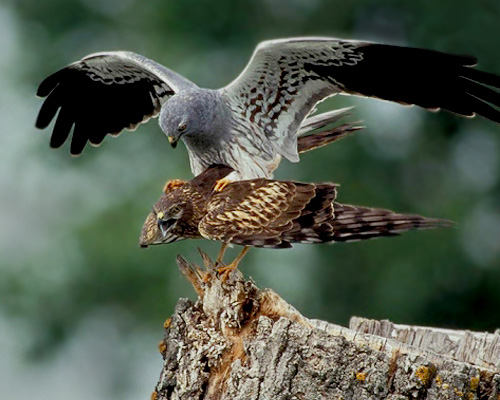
(353, 223)
(308, 139)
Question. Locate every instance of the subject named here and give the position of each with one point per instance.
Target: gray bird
(255, 120)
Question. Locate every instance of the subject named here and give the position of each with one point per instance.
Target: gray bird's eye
(182, 127)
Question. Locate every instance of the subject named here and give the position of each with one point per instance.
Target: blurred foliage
(88, 211)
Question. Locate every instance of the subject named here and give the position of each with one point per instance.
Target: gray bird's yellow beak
(172, 141)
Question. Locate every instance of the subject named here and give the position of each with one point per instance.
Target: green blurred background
(82, 306)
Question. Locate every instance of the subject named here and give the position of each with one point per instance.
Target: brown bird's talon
(218, 265)
(224, 272)
(173, 184)
(221, 184)
(206, 277)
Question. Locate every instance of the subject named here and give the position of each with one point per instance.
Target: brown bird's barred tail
(308, 140)
(353, 223)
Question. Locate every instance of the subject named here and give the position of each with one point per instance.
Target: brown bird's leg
(220, 256)
(218, 261)
(225, 271)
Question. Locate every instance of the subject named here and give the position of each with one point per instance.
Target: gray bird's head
(186, 114)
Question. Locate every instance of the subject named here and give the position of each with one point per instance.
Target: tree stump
(239, 342)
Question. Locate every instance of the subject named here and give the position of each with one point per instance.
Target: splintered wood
(238, 342)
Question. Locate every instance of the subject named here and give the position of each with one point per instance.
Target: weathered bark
(239, 342)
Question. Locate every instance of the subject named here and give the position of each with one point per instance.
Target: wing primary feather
(483, 77)
(79, 139)
(480, 91)
(50, 83)
(49, 109)
(62, 128)
(484, 109)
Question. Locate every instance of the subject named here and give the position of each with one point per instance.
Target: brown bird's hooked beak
(173, 141)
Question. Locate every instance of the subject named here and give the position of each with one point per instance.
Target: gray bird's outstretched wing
(104, 93)
(286, 78)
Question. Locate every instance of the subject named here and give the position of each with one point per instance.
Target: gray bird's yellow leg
(221, 184)
(172, 185)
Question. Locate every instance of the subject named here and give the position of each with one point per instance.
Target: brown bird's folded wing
(258, 212)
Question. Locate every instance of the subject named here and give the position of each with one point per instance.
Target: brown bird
(266, 213)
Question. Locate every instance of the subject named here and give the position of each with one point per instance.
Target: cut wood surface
(239, 342)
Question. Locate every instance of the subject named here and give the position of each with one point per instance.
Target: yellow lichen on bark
(474, 383)
(162, 347)
(423, 374)
(361, 376)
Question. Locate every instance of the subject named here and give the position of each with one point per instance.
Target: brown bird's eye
(182, 127)
(175, 210)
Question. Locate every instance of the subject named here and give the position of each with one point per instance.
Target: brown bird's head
(164, 223)
(177, 213)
